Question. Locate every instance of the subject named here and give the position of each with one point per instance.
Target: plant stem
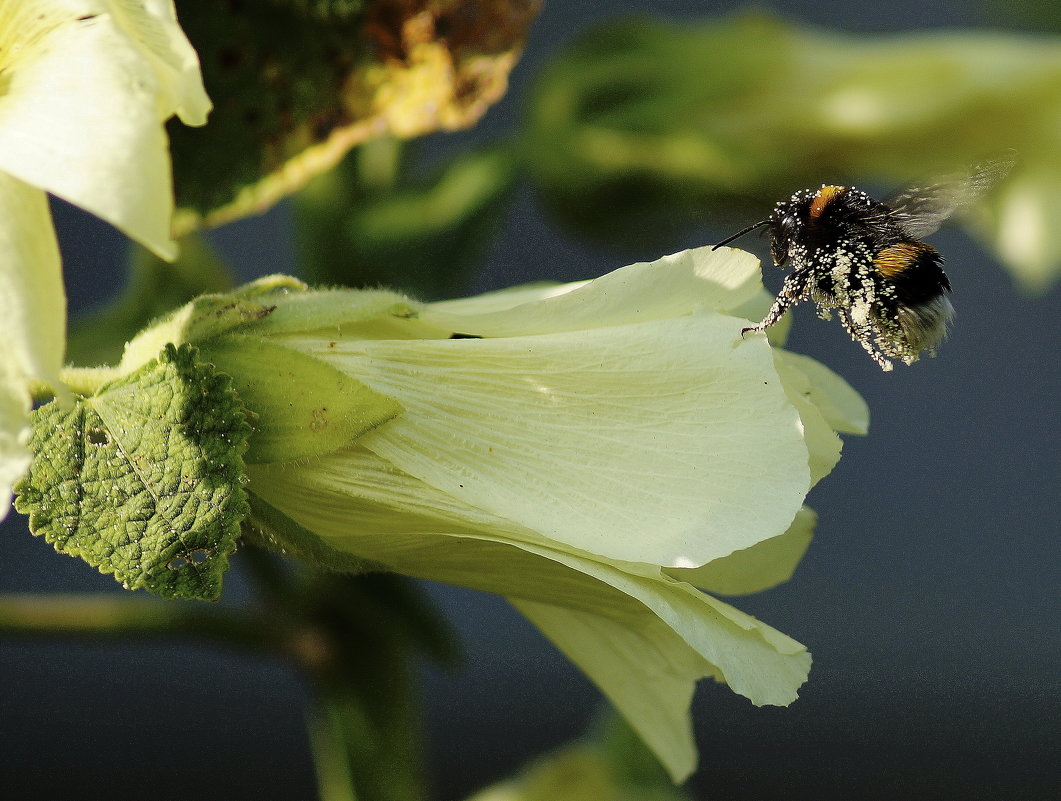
(86, 380)
(331, 760)
(114, 617)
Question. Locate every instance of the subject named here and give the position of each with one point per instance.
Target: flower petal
(152, 26)
(842, 407)
(647, 666)
(669, 442)
(644, 638)
(669, 287)
(14, 428)
(823, 446)
(88, 84)
(760, 567)
(32, 299)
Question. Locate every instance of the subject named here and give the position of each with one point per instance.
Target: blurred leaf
(610, 764)
(642, 129)
(368, 224)
(154, 288)
(1035, 15)
(297, 83)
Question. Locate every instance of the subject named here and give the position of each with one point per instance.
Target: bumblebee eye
(782, 233)
(779, 251)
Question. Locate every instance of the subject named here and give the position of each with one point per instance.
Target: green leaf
(144, 479)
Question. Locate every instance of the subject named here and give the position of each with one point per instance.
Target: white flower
(597, 442)
(85, 87)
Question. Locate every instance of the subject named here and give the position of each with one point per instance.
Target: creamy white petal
(647, 666)
(152, 24)
(669, 287)
(644, 638)
(823, 446)
(87, 85)
(837, 401)
(32, 298)
(14, 427)
(760, 567)
(500, 300)
(669, 442)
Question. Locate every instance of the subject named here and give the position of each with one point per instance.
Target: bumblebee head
(787, 224)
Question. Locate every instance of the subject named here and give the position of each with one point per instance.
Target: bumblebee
(865, 259)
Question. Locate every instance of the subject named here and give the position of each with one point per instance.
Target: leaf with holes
(144, 480)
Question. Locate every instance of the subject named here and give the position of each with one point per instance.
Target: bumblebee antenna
(740, 233)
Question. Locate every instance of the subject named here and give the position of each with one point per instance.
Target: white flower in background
(85, 88)
(599, 453)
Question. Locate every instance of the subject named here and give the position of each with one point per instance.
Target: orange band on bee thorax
(822, 198)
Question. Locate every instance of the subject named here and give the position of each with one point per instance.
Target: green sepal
(206, 317)
(144, 480)
(333, 309)
(276, 304)
(301, 405)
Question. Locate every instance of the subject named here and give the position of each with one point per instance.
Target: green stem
(86, 380)
(113, 617)
(335, 781)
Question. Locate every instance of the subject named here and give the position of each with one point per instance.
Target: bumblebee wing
(923, 208)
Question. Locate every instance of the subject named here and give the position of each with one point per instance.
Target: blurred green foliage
(356, 639)
(371, 222)
(642, 129)
(609, 764)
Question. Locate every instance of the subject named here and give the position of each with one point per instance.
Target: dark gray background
(929, 597)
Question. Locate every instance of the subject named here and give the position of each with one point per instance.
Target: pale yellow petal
(647, 661)
(673, 286)
(152, 25)
(14, 427)
(82, 103)
(841, 406)
(670, 442)
(32, 299)
(823, 445)
(760, 567)
(644, 638)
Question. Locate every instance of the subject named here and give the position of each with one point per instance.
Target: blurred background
(929, 597)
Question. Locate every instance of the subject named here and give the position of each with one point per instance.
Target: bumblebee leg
(863, 335)
(792, 292)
